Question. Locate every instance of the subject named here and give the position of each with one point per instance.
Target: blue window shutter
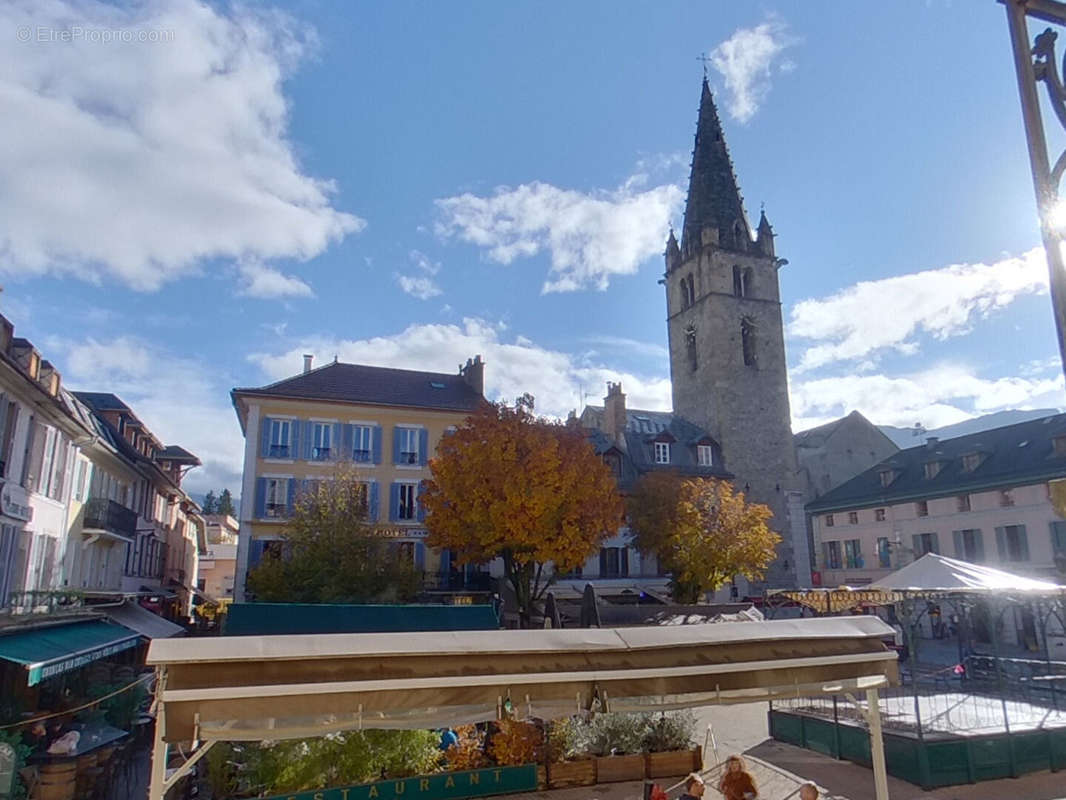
(291, 495)
(377, 444)
(394, 502)
(445, 561)
(264, 438)
(260, 497)
(418, 503)
(395, 445)
(372, 505)
(979, 547)
(1023, 540)
(303, 439)
(960, 545)
(1001, 544)
(420, 556)
(423, 446)
(346, 443)
(336, 443)
(255, 554)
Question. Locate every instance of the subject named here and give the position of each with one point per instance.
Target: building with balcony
(984, 498)
(218, 565)
(384, 422)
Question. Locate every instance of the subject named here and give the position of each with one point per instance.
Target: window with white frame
(831, 555)
(277, 497)
(280, 438)
(321, 439)
(662, 452)
(362, 443)
(406, 507)
(408, 445)
(705, 455)
(79, 479)
(879, 514)
(853, 554)
(925, 543)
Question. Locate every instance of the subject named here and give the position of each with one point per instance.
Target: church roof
(713, 197)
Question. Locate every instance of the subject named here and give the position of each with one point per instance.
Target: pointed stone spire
(764, 239)
(713, 197)
(673, 252)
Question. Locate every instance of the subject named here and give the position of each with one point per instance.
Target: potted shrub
(668, 742)
(569, 763)
(617, 742)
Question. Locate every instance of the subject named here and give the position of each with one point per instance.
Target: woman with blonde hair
(736, 782)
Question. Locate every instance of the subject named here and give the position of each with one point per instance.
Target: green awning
(55, 649)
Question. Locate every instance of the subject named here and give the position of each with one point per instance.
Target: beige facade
(1015, 529)
(292, 441)
(218, 565)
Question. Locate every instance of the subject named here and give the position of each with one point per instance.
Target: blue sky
(194, 195)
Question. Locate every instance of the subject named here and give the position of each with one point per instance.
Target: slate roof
(642, 429)
(713, 197)
(356, 383)
(1014, 455)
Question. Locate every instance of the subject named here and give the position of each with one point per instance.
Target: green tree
(210, 503)
(702, 531)
(225, 504)
(330, 554)
(533, 492)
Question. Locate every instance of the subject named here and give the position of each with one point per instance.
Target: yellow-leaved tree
(533, 492)
(702, 531)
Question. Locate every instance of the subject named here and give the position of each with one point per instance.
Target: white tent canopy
(934, 572)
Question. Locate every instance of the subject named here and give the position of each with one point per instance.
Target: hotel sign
(443, 786)
(401, 533)
(15, 502)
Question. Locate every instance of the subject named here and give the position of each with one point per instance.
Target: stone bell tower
(727, 350)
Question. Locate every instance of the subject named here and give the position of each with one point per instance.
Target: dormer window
(932, 469)
(1059, 445)
(662, 452)
(705, 455)
(887, 476)
(972, 461)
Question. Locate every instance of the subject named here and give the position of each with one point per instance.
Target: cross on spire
(706, 60)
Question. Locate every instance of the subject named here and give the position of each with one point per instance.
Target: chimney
(308, 358)
(931, 442)
(474, 374)
(614, 412)
(48, 378)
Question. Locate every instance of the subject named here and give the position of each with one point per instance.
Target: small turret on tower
(765, 238)
(673, 253)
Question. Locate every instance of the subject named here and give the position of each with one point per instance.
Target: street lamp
(1036, 64)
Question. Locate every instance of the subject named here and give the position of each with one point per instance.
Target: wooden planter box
(614, 769)
(674, 762)
(572, 773)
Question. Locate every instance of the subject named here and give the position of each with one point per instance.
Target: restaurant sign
(442, 786)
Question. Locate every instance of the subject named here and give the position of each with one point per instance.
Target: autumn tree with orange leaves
(702, 530)
(509, 484)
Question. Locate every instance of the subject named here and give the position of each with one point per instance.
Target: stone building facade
(726, 340)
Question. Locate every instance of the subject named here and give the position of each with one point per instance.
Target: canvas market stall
(1000, 682)
(277, 687)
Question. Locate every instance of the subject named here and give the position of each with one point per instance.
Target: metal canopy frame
(255, 688)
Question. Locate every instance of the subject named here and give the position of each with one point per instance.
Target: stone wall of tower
(745, 407)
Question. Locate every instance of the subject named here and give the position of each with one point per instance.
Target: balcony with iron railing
(103, 515)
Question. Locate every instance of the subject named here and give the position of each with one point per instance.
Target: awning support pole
(877, 744)
(157, 787)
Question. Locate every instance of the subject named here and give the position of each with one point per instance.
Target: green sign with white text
(442, 786)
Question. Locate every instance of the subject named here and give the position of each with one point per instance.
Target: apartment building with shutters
(985, 498)
(384, 423)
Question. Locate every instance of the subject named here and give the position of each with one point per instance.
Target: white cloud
(418, 286)
(263, 282)
(558, 380)
(137, 161)
(939, 395)
(623, 344)
(872, 316)
(591, 236)
(746, 61)
(181, 400)
(421, 286)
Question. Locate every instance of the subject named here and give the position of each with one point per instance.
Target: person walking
(736, 782)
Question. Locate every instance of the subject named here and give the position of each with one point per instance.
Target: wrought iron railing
(110, 516)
